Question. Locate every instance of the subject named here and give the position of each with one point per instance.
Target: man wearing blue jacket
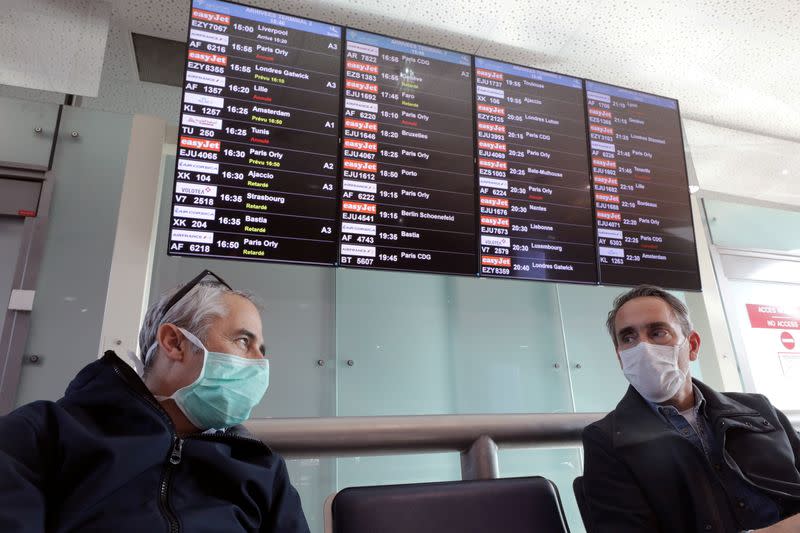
(164, 452)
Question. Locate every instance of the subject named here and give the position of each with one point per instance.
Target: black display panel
(641, 192)
(256, 168)
(407, 189)
(535, 203)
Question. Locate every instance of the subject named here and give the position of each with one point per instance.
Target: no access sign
(773, 317)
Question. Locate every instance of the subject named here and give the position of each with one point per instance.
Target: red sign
(491, 201)
(787, 340)
(364, 166)
(200, 144)
(208, 57)
(361, 86)
(359, 207)
(491, 74)
(773, 316)
(491, 109)
(210, 16)
(494, 260)
(362, 125)
(362, 67)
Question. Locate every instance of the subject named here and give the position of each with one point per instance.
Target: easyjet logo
(363, 166)
(609, 215)
(489, 74)
(362, 67)
(496, 222)
(494, 260)
(491, 109)
(207, 57)
(200, 144)
(605, 180)
(361, 86)
(364, 146)
(210, 16)
(362, 125)
(603, 197)
(604, 163)
(603, 130)
(490, 201)
(602, 113)
(493, 164)
(359, 207)
(491, 145)
(490, 126)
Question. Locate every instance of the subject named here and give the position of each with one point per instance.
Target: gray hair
(677, 307)
(194, 312)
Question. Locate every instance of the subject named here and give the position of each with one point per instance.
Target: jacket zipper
(176, 452)
(174, 457)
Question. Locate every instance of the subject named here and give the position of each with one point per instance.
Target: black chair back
(580, 498)
(511, 505)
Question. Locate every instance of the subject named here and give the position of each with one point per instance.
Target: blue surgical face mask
(225, 392)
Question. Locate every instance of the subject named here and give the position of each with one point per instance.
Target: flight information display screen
(256, 168)
(407, 189)
(641, 191)
(533, 175)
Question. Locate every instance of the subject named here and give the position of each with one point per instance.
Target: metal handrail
(476, 437)
(794, 418)
(389, 435)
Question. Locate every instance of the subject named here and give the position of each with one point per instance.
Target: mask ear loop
(140, 362)
(191, 337)
(138, 365)
(684, 372)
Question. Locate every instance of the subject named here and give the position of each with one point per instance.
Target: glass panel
(427, 344)
(393, 329)
(389, 470)
(753, 227)
(315, 480)
(506, 347)
(559, 465)
(21, 145)
(71, 289)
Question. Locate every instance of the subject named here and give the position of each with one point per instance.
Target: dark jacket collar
(110, 381)
(98, 384)
(635, 422)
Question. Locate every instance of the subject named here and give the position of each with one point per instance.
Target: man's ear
(694, 345)
(616, 353)
(170, 339)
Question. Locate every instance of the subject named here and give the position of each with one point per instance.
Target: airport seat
(580, 498)
(511, 505)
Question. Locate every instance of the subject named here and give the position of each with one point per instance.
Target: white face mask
(653, 370)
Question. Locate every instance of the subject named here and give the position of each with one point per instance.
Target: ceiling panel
(744, 164)
(731, 63)
(53, 46)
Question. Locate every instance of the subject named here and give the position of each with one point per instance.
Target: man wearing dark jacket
(676, 455)
(160, 453)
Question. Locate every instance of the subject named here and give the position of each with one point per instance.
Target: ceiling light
(693, 189)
